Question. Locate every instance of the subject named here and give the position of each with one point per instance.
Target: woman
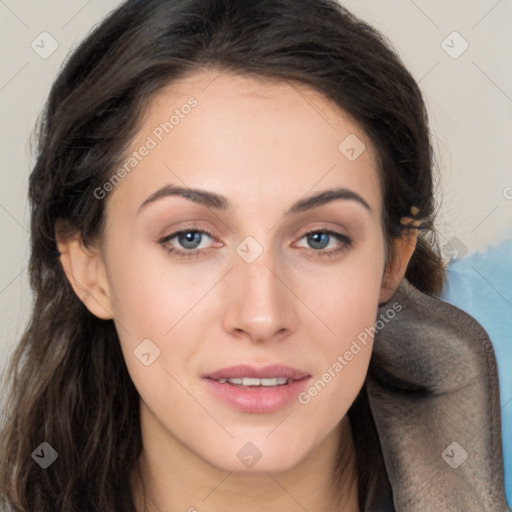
(228, 271)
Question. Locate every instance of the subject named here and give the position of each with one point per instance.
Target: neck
(170, 477)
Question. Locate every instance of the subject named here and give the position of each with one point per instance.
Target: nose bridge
(260, 305)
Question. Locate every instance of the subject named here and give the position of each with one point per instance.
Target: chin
(257, 456)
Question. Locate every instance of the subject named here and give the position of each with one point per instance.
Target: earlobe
(85, 272)
(403, 250)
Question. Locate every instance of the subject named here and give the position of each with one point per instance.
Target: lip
(257, 400)
(265, 372)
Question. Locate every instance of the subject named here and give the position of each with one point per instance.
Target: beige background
(469, 99)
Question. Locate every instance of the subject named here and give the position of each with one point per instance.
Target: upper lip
(265, 372)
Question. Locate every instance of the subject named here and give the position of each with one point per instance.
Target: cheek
(347, 302)
(334, 388)
(348, 296)
(143, 295)
(157, 311)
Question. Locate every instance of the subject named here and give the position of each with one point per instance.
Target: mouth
(251, 382)
(257, 390)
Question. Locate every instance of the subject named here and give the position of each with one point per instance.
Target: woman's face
(257, 290)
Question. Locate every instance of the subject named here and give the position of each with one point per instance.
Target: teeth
(251, 381)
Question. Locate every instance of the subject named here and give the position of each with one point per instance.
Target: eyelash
(192, 253)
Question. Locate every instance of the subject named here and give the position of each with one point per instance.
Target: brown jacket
(434, 394)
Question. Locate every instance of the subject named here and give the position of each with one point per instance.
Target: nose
(261, 305)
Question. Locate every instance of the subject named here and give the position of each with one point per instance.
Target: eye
(320, 239)
(190, 239)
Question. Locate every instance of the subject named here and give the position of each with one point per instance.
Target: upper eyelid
(186, 230)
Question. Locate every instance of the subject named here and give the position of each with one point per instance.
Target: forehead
(249, 138)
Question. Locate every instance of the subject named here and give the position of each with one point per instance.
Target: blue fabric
(481, 285)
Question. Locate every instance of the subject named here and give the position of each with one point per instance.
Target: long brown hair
(67, 384)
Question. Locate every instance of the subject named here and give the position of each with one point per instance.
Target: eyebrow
(218, 202)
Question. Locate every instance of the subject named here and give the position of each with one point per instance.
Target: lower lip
(257, 399)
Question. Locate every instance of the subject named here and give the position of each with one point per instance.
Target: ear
(402, 252)
(85, 272)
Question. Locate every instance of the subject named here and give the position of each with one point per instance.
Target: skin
(263, 145)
